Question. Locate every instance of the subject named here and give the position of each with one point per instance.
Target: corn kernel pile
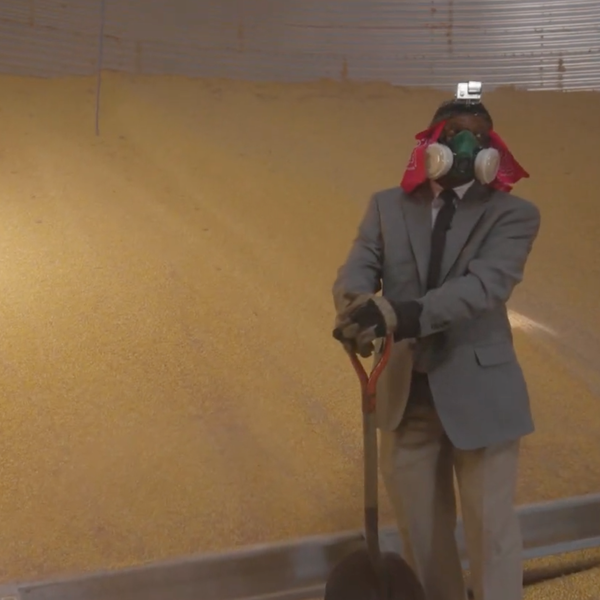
(169, 384)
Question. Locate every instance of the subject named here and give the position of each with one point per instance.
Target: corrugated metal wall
(551, 44)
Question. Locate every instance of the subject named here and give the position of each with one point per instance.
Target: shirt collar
(461, 190)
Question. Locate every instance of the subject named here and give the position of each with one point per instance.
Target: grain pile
(168, 381)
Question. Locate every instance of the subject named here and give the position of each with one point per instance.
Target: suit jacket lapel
(468, 212)
(417, 214)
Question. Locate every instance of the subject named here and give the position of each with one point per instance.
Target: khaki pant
(417, 465)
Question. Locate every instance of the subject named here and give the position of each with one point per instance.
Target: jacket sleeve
(361, 273)
(491, 277)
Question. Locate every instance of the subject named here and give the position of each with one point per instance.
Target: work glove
(364, 319)
(367, 317)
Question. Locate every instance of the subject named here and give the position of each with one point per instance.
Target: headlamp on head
(469, 92)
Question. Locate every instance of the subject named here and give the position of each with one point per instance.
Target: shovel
(369, 574)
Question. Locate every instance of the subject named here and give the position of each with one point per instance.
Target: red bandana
(509, 173)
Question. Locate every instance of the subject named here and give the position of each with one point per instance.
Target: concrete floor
(169, 384)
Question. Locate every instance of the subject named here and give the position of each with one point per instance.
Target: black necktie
(438, 237)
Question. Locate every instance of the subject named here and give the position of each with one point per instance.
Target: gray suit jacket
(466, 344)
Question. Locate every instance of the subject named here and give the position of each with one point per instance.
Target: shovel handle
(368, 382)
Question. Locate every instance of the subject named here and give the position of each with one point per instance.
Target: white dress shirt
(437, 203)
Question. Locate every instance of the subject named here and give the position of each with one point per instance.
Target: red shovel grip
(368, 382)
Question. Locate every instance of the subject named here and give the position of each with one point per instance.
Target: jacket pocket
(497, 353)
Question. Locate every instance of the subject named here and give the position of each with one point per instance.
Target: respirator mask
(463, 158)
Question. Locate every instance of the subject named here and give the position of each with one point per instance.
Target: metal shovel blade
(355, 578)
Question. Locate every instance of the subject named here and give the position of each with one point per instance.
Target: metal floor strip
(297, 570)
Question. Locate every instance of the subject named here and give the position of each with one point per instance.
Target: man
(447, 249)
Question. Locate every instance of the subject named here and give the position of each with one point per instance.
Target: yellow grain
(168, 381)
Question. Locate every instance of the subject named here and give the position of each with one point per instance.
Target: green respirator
(465, 148)
(463, 158)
